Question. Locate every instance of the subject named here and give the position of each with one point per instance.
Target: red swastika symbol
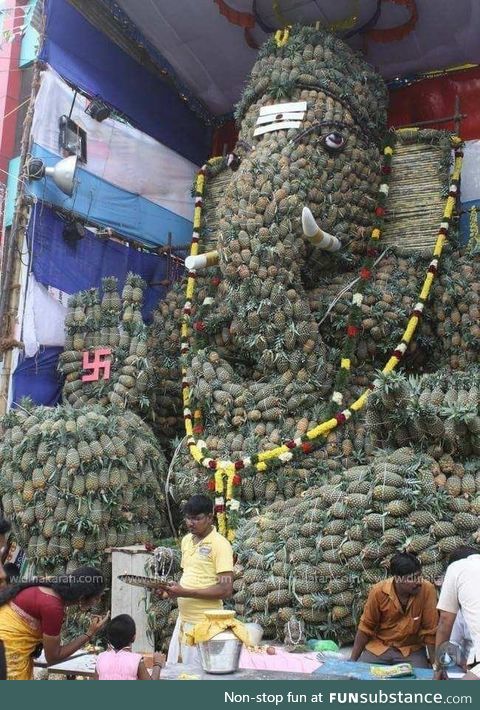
(97, 363)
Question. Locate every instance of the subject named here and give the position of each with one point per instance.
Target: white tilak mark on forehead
(279, 108)
(278, 117)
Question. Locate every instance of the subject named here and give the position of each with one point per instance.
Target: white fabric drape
(116, 152)
(44, 319)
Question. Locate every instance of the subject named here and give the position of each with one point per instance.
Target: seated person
(461, 636)
(399, 618)
(460, 591)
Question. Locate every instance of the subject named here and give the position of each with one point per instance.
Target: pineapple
(443, 528)
(465, 521)
(78, 485)
(398, 508)
(447, 545)
(72, 460)
(421, 518)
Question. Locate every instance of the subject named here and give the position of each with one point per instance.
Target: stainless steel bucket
(221, 654)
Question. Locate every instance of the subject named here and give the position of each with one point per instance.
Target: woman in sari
(33, 613)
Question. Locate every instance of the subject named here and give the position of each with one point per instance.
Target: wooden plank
(127, 599)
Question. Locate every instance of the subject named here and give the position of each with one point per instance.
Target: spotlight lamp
(62, 174)
(98, 110)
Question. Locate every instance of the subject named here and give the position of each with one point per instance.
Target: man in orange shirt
(399, 618)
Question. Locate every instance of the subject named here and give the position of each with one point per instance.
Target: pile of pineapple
(115, 322)
(77, 481)
(85, 476)
(314, 557)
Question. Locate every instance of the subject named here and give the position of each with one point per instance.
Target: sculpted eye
(334, 142)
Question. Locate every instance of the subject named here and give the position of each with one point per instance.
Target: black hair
(404, 564)
(460, 553)
(4, 526)
(82, 584)
(120, 631)
(12, 572)
(3, 663)
(198, 505)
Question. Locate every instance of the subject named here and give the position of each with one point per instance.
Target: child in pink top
(119, 662)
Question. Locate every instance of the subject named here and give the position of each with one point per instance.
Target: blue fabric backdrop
(76, 268)
(103, 203)
(37, 377)
(87, 58)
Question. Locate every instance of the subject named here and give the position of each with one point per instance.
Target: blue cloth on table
(361, 671)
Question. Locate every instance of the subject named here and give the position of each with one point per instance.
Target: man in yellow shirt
(207, 564)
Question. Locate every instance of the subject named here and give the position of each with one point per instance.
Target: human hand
(174, 590)
(97, 623)
(159, 659)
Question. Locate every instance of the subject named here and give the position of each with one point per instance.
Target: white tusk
(315, 235)
(201, 261)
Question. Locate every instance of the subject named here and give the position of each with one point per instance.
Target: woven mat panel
(214, 191)
(415, 203)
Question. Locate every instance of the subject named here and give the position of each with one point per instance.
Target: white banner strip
(293, 116)
(280, 126)
(279, 108)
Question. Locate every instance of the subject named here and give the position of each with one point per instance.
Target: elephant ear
(417, 186)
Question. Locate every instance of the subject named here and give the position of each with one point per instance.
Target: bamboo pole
(12, 260)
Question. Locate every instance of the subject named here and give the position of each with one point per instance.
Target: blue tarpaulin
(37, 377)
(87, 58)
(102, 203)
(72, 268)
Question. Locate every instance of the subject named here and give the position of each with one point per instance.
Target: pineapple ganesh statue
(308, 309)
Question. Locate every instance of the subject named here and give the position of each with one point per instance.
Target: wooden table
(76, 665)
(41, 661)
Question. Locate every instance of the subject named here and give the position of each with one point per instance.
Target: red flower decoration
(239, 465)
(215, 280)
(386, 170)
(236, 480)
(341, 418)
(198, 429)
(219, 509)
(365, 273)
(379, 211)
(211, 485)
(199, 326)
(352, 331)
(307, 448)
(290, 444)
(212, 464)
(372, 252)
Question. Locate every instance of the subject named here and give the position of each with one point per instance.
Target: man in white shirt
(461, 636)
(460, 589)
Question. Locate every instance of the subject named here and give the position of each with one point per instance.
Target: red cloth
(45, 608)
